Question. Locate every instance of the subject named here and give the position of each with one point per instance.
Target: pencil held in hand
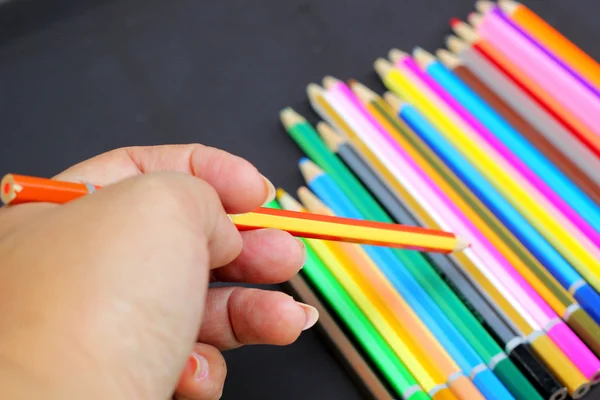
(17, 189)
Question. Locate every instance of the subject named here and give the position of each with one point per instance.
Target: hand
(107, 297)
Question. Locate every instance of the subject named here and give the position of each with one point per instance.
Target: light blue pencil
(418, 299)
(564, 273)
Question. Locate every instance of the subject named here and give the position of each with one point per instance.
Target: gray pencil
(532, 112)
(474, 297)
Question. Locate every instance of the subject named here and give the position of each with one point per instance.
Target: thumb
(123, 273)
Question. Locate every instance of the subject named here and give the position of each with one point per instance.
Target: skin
(107, 297)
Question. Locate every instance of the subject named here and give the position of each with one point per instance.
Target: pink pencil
(496, 266)
(502, 155)
(558, 82)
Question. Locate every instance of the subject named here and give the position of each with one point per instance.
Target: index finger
(240, 186)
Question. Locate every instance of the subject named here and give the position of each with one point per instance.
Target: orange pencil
(543, 32)
(577, 128)
(16, 189)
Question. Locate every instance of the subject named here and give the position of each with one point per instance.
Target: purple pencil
(556, 329)
(573, 221)
(486, 6)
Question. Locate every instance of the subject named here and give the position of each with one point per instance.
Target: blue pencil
(510, 137)
(418, 299)
(564, 273)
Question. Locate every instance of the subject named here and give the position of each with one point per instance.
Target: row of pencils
(494, 138)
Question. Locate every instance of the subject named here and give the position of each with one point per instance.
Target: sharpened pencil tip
(287, 202)
(393, 100)
(289, 117)
(474, 19)
(330, 81)
(508, 6)
(484, 6)
(454, 21)
(461, 244)
(423, 57)
(382, 67)
(396, 55)
(309, 169)
(332, 139)
(279, 192)
(311, 202)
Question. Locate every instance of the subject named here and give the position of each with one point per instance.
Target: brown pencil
(578, 176)
(348, 354)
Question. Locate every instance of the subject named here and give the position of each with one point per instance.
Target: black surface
(79, 77)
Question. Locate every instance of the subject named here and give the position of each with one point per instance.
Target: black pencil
(448, 268)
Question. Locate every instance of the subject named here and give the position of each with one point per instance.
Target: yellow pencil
(549, 353)
(521, 199)
(340, 260)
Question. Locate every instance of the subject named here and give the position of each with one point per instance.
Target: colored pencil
(408, 325)
(493, 155)
(549, 37)
(536, 243)
(557, 362)
(529, 109)
(484, 6)
(568, 91)
(519, 352)
(426, 275)
(18, 189)
(529, 205)
(571, 199)
(560, 300)
(396, 374)
(366, 378)
(467, 324)
(587, 329)
(343, 266)
(495, 266)
(409, 288)
(551, 105)
(511, 115)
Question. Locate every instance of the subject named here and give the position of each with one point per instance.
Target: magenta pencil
(578, 226)
(496, 264)
(551, 55)
(574, 96)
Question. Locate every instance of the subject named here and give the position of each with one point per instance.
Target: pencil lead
(454, 21)
(332, 139)
(396, 55)
(311, 202)
(461, 243)
(330, 81)
(287, 202)
(484, 6)
(449, 59)
(423, 57)
(382, 67)
(364, 94)
(393, 100)
(508, 6)
(465, 32)
(313, 91)
(456, 45)
(309, 169)
(475, 19)
(289, 117)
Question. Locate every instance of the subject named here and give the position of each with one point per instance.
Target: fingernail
(312, 315)
(270, 191)
(199, 366)
(304, 254)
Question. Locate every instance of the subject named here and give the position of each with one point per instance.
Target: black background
(80, 77)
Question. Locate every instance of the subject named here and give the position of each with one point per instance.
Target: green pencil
(382, 356)
(458, 313)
